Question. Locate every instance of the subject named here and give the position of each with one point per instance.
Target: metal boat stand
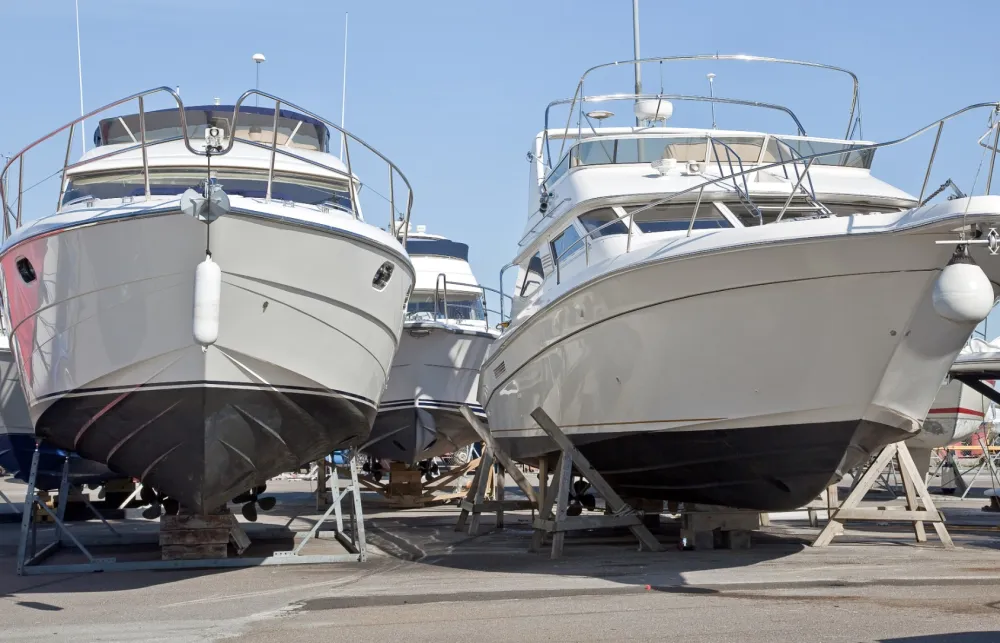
(494, 465)
(30, 558)
(951, 473)
(916, 495)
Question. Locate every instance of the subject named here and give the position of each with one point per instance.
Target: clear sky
(454, 91)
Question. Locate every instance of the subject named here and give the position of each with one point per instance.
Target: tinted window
(596, 218)
(533, 276)
(671, 217)
(437, 248)
(567, 241)
(304, 190)
(850, 158)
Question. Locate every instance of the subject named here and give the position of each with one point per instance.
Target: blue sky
(454, 90)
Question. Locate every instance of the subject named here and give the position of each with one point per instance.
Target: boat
(208, 306)
(727, 316)
(18, 443)
(436, 369)
(958, 411)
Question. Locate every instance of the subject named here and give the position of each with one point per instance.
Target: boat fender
(207, 296)
(963, 293)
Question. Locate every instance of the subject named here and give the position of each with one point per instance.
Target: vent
(500, 370)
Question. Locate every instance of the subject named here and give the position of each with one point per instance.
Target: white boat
(205, 323)
(436, 370)
(957, 413)
(724, 316)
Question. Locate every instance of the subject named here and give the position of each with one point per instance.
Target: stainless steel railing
(687, 58)
(633, 97)
(628, 217)
(441, 297)
(13, 207)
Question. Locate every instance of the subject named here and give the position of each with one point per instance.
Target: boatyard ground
(426, 582)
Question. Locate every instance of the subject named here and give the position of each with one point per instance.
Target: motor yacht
(436, 369)
(207, 306)
(728, 316)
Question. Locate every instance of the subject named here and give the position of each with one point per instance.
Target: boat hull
(434, 373)
(18, 443)
(750, 377)
(104, 342)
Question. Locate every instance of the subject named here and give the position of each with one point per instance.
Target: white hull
(739, 376)
(958, 412)
(434, 373)
(104, 339)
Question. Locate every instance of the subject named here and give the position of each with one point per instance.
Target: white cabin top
(445, 288)
(590, 167)
(315, 178)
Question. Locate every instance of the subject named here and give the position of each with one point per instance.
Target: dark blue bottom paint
(15, 458)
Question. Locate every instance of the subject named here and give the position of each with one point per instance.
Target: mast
(79, 71)
(635, 46)
(343, 90)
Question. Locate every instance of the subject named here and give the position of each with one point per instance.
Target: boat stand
(916, 495)
(552, 516)
(406, 488)
(30, 558)
(486, 494)
(951, 474)
(988, 463)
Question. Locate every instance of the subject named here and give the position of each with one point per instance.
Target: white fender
(207, 297)
(963, 293)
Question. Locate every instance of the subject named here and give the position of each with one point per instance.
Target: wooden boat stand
(552, 519)
(916, 495)
(406, 488)
(183, 530)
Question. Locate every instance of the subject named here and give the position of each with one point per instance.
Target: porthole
(382, 275)
(26, 270)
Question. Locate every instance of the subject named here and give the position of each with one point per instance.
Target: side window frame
(528, 271)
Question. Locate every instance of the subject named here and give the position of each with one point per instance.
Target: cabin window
(249, 183)
(735, 150)
(851, 156)
(463, 306)
(565, 245)
(253, 123)
(533, 276)
(596, 218)
(646, 150)
(669, 217)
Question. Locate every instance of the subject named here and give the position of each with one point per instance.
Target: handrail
(734, 57)
(808, 159)
(143, 145)
(443, 278)
(680, 97)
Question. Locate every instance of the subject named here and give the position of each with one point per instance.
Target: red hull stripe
(958, 409)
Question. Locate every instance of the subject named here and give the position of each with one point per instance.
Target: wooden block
(202, 521)
(203, 536)
(193, 552)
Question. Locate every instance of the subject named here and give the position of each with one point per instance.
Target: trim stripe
(80, 392)
(958, 409)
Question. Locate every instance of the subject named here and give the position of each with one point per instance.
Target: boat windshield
(461, 306)
(236, 182)
(750, 149)
(423, 247)
(254, 124)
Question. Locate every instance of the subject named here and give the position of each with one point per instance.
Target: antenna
(258, 59)
(711, 93)
(79, 71)
(343, 91)
(635, 48)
